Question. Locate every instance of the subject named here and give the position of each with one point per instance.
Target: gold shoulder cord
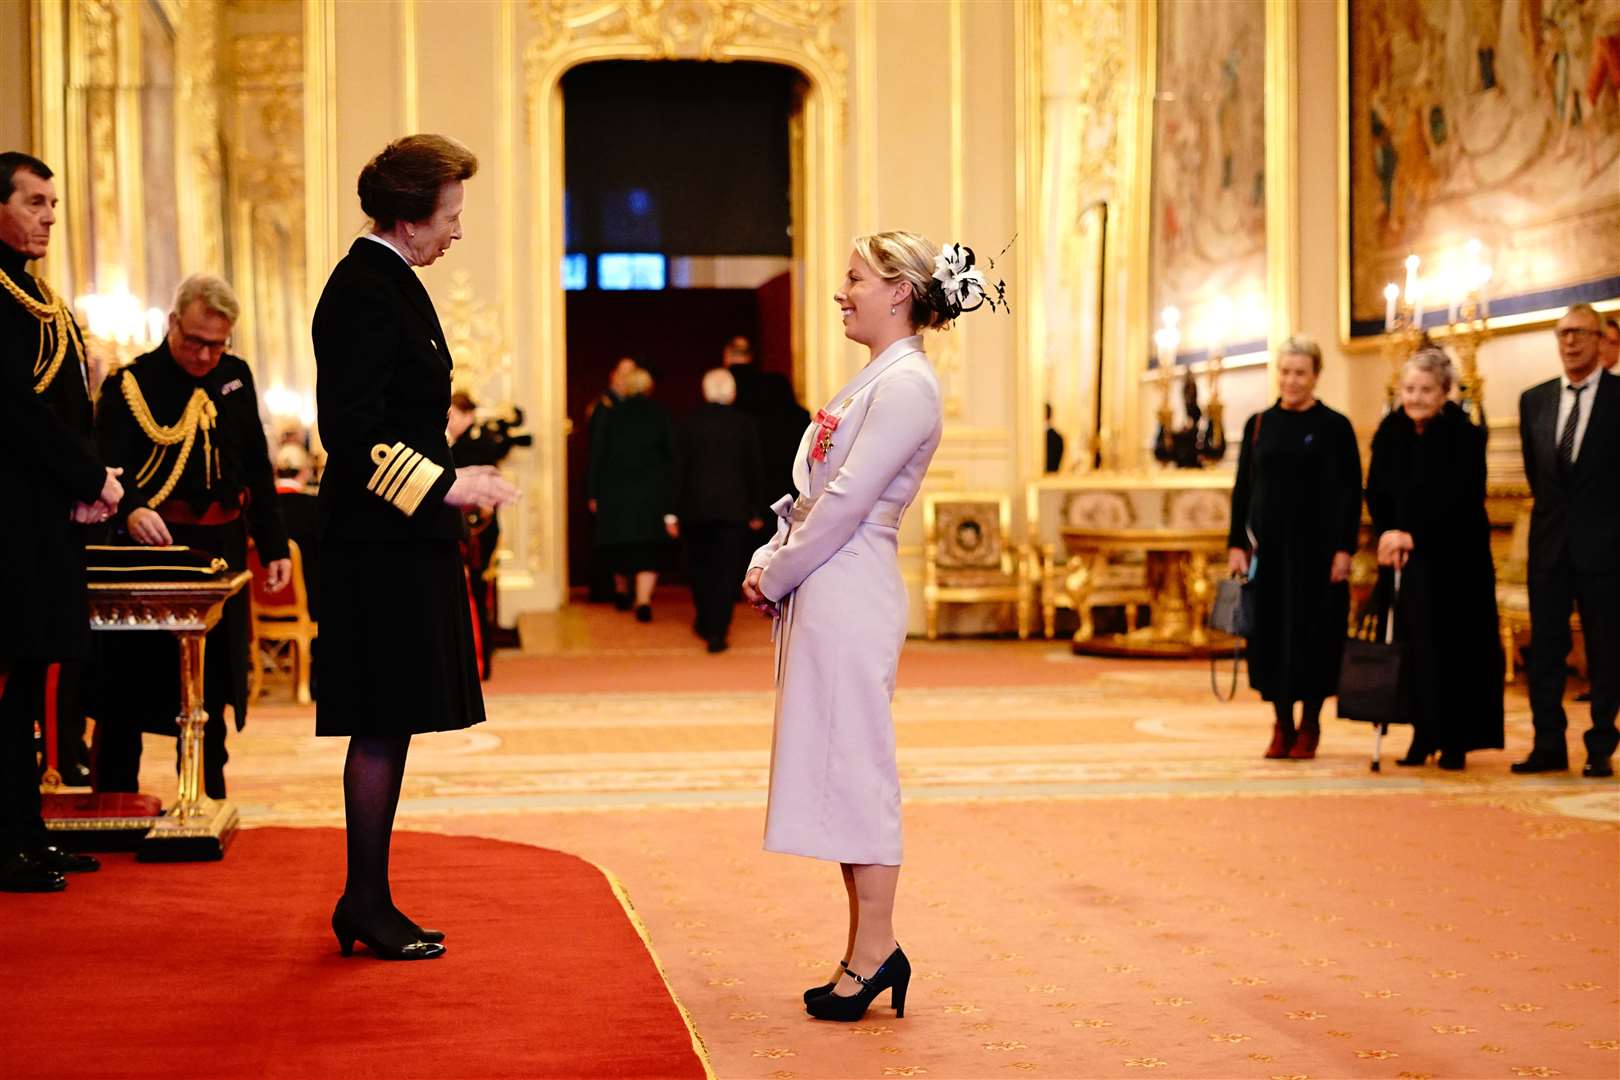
(54, 322)
(199, 414)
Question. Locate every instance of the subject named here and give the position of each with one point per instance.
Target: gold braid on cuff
(403, 476)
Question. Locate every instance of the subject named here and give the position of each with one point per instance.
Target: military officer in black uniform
(51, 485)
(183, 422)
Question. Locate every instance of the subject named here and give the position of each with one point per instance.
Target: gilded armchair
(969, 557)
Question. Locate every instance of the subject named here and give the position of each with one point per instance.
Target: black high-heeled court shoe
(422, 934)
(1416, 756)
(348, 930)
(894, 974)
(824, 988)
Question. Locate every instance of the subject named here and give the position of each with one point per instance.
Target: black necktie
(1566, 439)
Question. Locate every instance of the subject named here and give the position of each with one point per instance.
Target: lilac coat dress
(833, 569)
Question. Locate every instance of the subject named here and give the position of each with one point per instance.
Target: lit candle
(1391, 292)
(1411, 278)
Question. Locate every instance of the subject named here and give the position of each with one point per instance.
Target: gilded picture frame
(1459, 123)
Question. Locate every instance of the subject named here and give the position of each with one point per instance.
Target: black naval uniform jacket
(47, 463)
(383, 392)
(231, 469)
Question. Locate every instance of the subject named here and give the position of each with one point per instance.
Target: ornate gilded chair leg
(1132, 614)
(931, 608)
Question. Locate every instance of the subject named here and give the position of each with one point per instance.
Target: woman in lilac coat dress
(831, 577)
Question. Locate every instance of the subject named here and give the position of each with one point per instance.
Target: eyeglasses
(1575, 333)
(197, 344)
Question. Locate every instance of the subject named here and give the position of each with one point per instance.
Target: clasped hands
(481, 486)
(106, 504)
(755, 598)
(1394, 548)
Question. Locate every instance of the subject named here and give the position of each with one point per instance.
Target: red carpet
(230, 970)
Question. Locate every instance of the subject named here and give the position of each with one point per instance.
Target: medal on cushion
(826, 424)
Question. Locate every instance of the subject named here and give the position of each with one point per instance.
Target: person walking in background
(1296, 507)
(768, 397)
(718, 486)
(1569, 430)
(600, 579)
(631, 488)
(1426, 495)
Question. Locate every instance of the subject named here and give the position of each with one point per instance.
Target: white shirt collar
(389, 244)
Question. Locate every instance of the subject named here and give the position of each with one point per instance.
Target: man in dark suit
(767, 397)
(719, 486)
(51, 484)
(1569, 428)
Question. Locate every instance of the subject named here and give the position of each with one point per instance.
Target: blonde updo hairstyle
(906, 256)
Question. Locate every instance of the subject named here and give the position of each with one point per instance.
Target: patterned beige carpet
(1103, 876)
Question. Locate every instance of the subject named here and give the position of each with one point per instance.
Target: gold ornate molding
(797, 32)
(473, 330)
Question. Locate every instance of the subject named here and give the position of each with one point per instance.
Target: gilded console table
(1178, 578)
(195, 827)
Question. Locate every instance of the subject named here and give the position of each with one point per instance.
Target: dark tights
(372, 777)
(1310, 713)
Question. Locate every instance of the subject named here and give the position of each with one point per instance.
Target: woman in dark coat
(396, 630)
(1296, 506)
(1426, 494)
(631, 487)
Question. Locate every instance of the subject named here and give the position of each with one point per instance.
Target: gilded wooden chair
(1085, 581)
(969, 557)
(282, 629)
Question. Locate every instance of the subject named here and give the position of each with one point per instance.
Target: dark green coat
(632, 472)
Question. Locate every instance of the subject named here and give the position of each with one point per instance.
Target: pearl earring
(891, 310)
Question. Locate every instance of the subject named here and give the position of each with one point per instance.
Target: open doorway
(682, 180)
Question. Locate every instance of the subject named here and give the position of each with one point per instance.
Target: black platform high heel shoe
(348, 930)
(894, 974)
(824, 988)
(431, 936)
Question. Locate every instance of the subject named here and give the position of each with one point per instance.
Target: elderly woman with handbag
(1426, 494)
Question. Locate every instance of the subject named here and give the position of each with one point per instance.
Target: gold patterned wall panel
(264, 134)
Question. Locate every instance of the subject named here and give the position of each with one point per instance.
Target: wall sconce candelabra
(120, 324)
(1467, 323)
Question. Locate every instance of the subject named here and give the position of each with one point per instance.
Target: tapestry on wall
(1495, 120)
(1209, 174)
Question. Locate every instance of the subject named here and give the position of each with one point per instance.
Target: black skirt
(397, 646)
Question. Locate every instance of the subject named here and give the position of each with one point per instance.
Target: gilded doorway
(573, 33)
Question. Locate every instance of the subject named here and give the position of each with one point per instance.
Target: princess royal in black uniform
(396, 630)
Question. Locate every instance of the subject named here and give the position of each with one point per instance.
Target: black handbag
(1372, 673)
(1233, 610)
